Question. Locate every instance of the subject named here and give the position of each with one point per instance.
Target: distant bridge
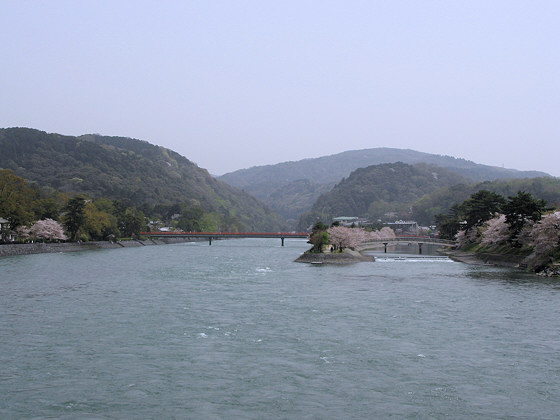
(219, 235)
(420, 240)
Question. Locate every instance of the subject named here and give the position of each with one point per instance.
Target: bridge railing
(223, 235)
(229, 234)
(411, 238)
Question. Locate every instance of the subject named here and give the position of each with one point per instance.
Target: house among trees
(403, 227)
(6, 234)
(349, 221)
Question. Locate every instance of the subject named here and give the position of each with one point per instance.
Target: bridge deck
(409, 239)
(218, 235)
(279, 235)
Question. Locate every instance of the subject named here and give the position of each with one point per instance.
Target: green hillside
(294, 199)
(440, 201)
(132, 171)
(267, 183)
(373, 191)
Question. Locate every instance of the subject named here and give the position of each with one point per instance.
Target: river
(239, 330)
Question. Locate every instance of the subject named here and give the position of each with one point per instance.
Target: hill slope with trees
(378, 189)
(132, 171)
(285, 179)
(518, 230)
(440, 201)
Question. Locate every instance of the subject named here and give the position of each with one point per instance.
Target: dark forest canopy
(379, 189)
(134, 172)
(440, 201)
(418, 192)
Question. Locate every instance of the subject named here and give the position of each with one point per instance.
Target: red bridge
(210, 235)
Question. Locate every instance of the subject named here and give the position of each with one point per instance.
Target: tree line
(47, 214)
(336, 237)
(520, 224)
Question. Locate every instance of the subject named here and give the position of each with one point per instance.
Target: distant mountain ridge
(332, 168)
(129, 170)
(272, 184)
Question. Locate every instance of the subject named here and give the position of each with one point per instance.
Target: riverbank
(463, 257)
(346, 257)
(485, 258)
(7, 250)
(500, 260)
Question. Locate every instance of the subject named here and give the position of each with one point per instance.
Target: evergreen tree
(319, 237)
(521, 209)
(132, 222)
(16, 199)
(481, 207)
(449, 224)
(74, 217)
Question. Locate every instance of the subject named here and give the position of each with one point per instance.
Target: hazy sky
(233, 84)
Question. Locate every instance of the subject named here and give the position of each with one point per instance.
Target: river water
(239, 330)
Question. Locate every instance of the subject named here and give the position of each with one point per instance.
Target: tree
(132, 222)
(466, 237)
(16, 199)
(384, 233)
(46, 208)
(496, 231)
(47, 229)
(99, 224)
(319, 237)
(74, 216)
(481, 207)
(545, 235)
(344, 237)
(521, 210)
(191, 219)
(210, 222)
(449, 224)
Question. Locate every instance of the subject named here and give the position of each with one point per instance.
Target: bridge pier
(209, 240)
(385, 243)
(420, 247)
(282, 239)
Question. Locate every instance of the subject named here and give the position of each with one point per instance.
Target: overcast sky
(233, 84)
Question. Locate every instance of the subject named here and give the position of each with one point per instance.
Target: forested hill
(373, 191)
(418, 192)
(331, 169)
(132, 171)
(281, 185)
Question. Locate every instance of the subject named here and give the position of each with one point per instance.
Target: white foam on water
(413, 259)
(202, 335)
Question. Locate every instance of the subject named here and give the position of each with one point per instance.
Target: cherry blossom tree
(386, 233)
(343, 237)
(545, 235)
(47, 229)
(466, 237)
(22, 232)
(495, 231)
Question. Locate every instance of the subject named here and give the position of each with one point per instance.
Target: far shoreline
(10, 250)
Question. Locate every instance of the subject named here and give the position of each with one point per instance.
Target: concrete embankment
(346, 257)
(514, 261)
(42, 248)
